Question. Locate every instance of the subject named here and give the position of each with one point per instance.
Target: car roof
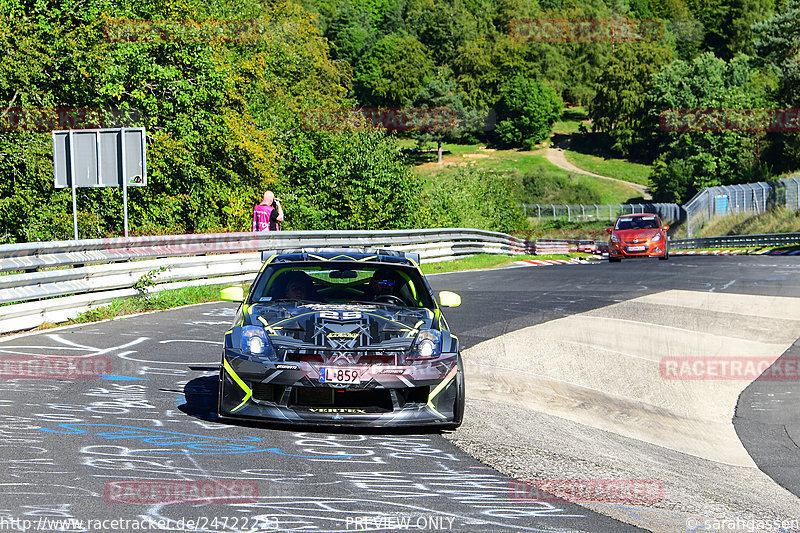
(359, 255)
(639, 215)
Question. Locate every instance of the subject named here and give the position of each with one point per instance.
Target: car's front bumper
(420, 393)
(646, 249)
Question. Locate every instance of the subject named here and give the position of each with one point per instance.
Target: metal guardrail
(737, 241)
(33, 256)
(553, 246)
(54, 281)
(667, 212)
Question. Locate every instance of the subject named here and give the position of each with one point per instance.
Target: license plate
(636, 248)
(330, 374)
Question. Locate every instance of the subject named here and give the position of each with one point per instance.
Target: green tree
(526, 112)
(470, 197)
(619, 105)
(348, 179)
(219, 110)
(441, 25)
(352, 33)
(438, 113)
(393, 72)
(778, 44)
(728, 24)
(691, 157)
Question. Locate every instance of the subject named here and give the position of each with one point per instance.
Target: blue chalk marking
(115, 377)
(194, 444)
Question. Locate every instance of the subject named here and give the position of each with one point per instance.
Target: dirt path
(556, 156)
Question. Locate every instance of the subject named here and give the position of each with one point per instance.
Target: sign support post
(74, 189)
(124, 181)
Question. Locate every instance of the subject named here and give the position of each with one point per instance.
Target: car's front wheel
(666, 254)
(458, 404)
(221, 412)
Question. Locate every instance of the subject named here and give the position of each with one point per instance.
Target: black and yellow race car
(348, 337)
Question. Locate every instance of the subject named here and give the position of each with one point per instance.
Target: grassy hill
(562, 187)
(779, 220)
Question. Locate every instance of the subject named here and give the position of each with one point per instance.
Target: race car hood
(312, 326)
(628, 235)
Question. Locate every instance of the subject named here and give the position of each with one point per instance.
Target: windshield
(649, 222)
(339, 283)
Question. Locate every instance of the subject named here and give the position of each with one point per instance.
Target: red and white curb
(778, 252)
(707, 252)
(735, 252)
(548, 262)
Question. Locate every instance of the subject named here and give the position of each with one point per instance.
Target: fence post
(739, 206)
(596, 212)
(539, 211)
(797, 182)
(554, 212)
(525, 210)
(583, 212)
(744, 194)
(569, 214)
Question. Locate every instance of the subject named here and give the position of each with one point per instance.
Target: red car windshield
(624, 223)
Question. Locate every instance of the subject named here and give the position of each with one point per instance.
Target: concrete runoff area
(576, 384)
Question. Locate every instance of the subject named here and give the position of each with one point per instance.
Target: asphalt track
(96, 449)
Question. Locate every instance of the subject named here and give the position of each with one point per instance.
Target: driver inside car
(296, 285)
(385, 286)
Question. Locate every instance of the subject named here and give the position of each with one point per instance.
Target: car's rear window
(341, 283)
(649, 222)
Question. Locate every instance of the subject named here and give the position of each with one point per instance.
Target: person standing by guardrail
(268, 213)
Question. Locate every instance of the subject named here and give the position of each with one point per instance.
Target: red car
(638, 235)
(589, 247)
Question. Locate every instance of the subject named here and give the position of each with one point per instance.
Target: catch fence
(754, 198)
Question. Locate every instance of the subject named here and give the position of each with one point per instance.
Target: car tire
(665, 256)
(458, 404)
(220, 392)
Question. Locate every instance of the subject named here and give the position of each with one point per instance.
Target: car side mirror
(666, 227)
(449, 299)
(608, 230)
(232, 294)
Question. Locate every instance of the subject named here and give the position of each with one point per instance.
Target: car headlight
(657, 237)
(256, 342)
(614, 238)
(428, 344)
